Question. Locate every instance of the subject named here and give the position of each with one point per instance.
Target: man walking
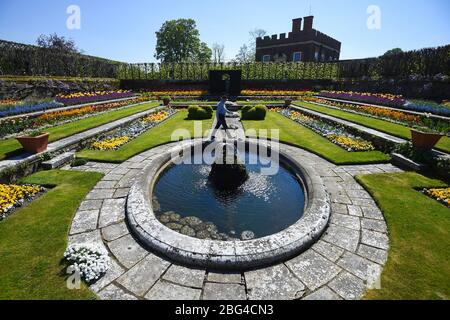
(222, 112)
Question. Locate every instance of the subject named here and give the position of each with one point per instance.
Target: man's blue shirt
(222, 109)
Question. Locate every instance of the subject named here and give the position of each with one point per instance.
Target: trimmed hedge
(258, 112)
(200, 112)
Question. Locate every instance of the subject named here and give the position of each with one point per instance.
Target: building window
(266, 58)
(323, 56)
(316, 56)
(297, 57)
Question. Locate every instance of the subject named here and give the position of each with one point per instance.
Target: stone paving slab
(336, 267)
(127, 251)
(348, 286)
(144, 275)
(84, 221)
(323, 294)
(164, 290)
(225, 277)
(275, 283)
(219, 291)
(115, 231)
(185, 276)
(313, 269)
(113, 292)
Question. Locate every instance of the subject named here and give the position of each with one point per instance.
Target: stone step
(58, 161)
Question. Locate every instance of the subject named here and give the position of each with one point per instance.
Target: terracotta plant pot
(34, 144)
(424, 140)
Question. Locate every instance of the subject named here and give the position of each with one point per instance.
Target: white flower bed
(90, 261)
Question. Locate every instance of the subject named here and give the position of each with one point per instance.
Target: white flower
(90, 260)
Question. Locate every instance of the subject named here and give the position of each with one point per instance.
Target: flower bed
(395, 116)
(389, 100)
(377, 112)
(8, 103)
(91, 262)
(116, 139)
(428, 107)
(89, 97)
(442, 195)
(160, 93)
(110, 144)
(336, 134)
(14, 196)
(14, 126)
(18, 108)
(276, 93)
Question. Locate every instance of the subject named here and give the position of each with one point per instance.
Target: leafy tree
(204, 53)
(60, 43)
(393, 52)
(179, 41)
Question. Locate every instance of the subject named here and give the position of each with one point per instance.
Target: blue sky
(125, 30)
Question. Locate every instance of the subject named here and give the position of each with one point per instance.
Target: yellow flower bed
(156, 117)
(8, 102)
(301, 117)
(14, 195)
(177, 93)
(110, 144)
(351, 144)
(276, 92)
(88, 94)
(442, 195)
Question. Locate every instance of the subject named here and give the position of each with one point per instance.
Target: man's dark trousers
(221, 122)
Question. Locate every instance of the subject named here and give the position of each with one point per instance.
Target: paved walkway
(353, 249)
(75, 139)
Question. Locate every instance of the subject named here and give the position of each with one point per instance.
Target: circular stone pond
(185, 199)
(179, 208)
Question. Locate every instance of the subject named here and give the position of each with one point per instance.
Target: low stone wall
(19, 89)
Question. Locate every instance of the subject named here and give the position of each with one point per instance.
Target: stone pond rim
(226, 255)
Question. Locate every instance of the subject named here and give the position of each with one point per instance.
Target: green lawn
(419, 230)
(296, 134)
(11, 146)
(156, 136)
(377, 124)
(33, 240)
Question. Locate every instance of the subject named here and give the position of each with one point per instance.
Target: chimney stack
(308, 25)
(296, 25)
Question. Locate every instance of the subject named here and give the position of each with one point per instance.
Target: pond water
(263, 205)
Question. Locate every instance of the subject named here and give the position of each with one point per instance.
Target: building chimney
(308, 25)
(296, 25)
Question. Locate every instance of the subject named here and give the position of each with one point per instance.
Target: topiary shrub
(209, 110)
(246, 109)
(200, 113)
(258, 112)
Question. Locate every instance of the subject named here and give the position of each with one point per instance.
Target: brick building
(305, 44)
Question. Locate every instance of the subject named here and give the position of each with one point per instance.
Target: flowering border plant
(89, 260)
(439, 194)
(336, 134)
(14, 196)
